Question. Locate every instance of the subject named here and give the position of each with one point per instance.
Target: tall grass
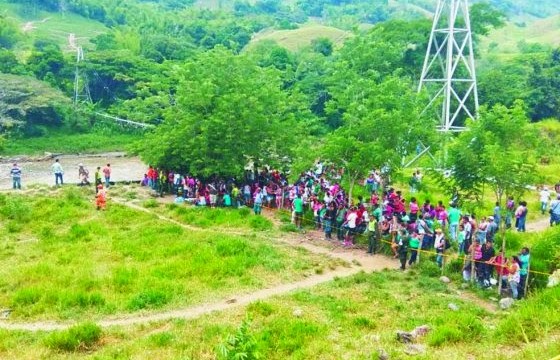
(88, 263)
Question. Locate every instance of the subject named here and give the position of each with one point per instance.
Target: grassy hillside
(507, 39)
(38, 24)
(296, 39)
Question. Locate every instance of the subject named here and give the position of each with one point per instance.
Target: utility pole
(448, 74)
(81, 85)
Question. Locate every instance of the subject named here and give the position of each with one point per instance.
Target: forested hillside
(140, 56)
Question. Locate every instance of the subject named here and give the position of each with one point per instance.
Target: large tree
(383, 123)
(229, 112)
(496, 152)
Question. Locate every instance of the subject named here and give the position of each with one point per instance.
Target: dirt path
(357, 261)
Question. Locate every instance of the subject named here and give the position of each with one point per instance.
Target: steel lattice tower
(81, 86)
(448, 73)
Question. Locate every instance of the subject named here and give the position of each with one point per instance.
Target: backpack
(447, 244)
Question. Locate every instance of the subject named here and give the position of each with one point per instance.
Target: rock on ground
(506, 303)
(444, 279)
(415, 349)
(453, 307)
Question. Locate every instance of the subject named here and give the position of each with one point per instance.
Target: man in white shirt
(545, 198)
(58, 172)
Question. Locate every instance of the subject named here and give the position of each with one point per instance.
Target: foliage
(27, 105)
(9, 32)
(229, 111)
(495, 152)
(242, 345)
(81, 337)
(370, 137)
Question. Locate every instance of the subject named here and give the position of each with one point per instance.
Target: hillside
(296, 39)
(66, 29)
(508, 39)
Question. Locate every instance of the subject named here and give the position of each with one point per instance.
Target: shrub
(429, 268)
(15, 208)
(78, 338)
(241, 345)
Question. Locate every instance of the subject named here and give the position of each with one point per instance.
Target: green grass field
(353, 318)
(62, 142)
(62, 259)
(53, 26)
(294, 40)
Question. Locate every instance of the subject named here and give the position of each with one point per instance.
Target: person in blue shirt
(16, 176)
(524, 258)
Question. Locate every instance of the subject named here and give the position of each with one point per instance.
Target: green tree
(9, 33)
(495, 152)
(229, 111)
(380, 129)
(322, 45)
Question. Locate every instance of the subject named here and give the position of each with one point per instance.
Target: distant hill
(298, 38)
(511, 38)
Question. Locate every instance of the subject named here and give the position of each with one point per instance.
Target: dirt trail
(357, 261)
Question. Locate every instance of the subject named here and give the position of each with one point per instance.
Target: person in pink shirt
(414, 209)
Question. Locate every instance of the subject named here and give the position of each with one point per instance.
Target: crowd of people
(408, 227)
(384, 216)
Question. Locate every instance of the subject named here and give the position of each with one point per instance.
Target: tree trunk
(350, 189)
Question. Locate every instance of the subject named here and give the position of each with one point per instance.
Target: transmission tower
(81, 85)
(448, 73)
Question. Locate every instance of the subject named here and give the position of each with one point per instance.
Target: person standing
(58, 172)
(16, 176)
(454, 217)
(402, 249)
(98, 180)
(414, 244)
(100, 198)
(107, 175)
(514, 277)
(555, 211)
(544, 198)
(298, 211)
(439, 245)
(523, 260)
(258, 201)
(328, 219)
(521, 216)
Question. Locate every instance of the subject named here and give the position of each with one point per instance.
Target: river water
(39, 172)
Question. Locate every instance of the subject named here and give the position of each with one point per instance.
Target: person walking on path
(107, 175)
(58, 172)
(16, 176)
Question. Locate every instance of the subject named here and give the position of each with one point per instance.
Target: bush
(242, 345)
(14, 208)
(428, 268)
(78, 338)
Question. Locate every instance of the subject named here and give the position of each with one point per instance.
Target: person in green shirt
(373, 236)
(454, 217)
(227, 200)
(414, 245)
(298, 209)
